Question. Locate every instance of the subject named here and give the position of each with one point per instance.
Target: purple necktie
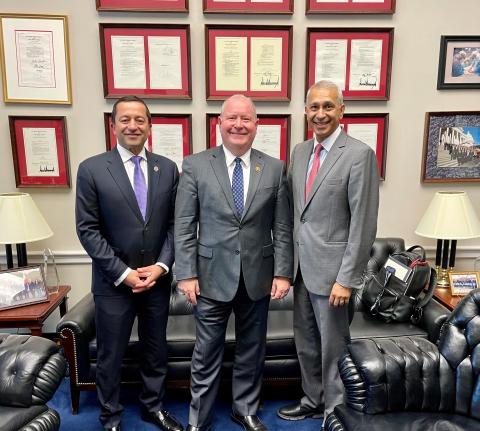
(139, 185)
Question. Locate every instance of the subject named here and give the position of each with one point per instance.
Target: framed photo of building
(350, 6)
(451, 147)
(248, 6)
(143, 5)
(462, 283)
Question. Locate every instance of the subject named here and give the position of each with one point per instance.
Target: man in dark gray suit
(124, 214)
(334, 181)
(233, 245)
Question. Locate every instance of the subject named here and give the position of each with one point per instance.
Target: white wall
(418, 26)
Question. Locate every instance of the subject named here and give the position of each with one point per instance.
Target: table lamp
(21, 222)
(450, 216)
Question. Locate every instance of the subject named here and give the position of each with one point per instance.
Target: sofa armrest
(434, 316)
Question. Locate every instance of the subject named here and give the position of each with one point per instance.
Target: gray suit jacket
(334, 228)
(213, 244)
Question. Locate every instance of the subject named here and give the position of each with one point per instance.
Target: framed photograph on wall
(462, 283)
(147, 60)
(350, 6)
(171, 136)
(22, 286)
(369, 128)
(143, 5)
(358, 60)
(248, 6)
(273, 135)
(459, 62)
(451, 147)
(35, 59)
(249, 59)
(40, 151)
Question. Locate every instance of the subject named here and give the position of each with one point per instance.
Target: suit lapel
(256, 171)
(219, 165)
(153, 178)
(303, 157)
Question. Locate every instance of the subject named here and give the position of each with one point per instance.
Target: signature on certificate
(368, 80)
(270, 79)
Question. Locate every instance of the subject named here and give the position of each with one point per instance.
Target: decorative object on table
(451, 147)
(450, 216)
(50, 271)
(461, 283)
(22, 286)
(21, 222)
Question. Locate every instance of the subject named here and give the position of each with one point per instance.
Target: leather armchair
(409, 383)
(31, 369)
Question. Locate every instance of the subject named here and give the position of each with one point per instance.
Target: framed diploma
(273, 135)
(40, 151)
(372, 129)
(147, 60)
(35, 59)
(350, 6)
(171, 136)
(459, 63)
(143, 5)
(358, 60)
(248, 6)
(253, 60)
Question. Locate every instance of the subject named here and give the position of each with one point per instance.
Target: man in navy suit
(124, 216)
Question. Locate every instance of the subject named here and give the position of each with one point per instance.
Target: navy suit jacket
(110, 225)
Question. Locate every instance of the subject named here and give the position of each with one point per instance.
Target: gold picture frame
(462, 283)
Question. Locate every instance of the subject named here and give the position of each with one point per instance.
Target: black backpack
(392, 299)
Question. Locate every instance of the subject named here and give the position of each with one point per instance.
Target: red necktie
(314, 170)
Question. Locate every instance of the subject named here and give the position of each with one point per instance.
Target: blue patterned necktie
(139, 185)
(237, 186)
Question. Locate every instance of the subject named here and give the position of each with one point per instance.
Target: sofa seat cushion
(14, 418)
(353, 420)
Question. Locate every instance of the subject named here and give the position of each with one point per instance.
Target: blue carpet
(87, 418)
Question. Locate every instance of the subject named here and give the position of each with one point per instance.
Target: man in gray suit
(334, 181)
(233, 247)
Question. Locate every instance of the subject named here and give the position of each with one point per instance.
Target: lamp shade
(450, 215)
(21, 220)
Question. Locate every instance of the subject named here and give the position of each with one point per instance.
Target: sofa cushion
(14, 418)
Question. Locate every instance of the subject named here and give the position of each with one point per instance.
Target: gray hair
(240, 96)
(324, 83)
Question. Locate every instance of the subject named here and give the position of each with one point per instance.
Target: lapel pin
(257, 168)
(155, 168)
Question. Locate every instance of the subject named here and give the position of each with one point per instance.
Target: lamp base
(442, 278)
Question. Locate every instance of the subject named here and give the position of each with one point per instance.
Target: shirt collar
(230, 158)
(126, 155)
(328, 142)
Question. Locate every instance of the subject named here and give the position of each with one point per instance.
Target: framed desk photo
(35, 59)
(451, 147)
(249, 59)
(147, 60)
(359, 60)
(273, 135)
(372, 129)
(171, 136)
(350, 6)
(459, 63)
(248, 6)
(143, 5)
(462, 283)
(40, 151)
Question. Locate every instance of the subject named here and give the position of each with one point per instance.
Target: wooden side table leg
(63, 306)
(36, 330)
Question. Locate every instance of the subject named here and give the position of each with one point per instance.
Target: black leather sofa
(31, 368)
(410, 384)
(77, 332)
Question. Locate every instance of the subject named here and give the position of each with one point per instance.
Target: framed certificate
(35, 59)
(147, 60)
(40, 151)
(372, 129)
(252, 60)
(143, 5)
(273, 135)
(171, 136)
(358, 60)
(350, 6)
(248, 6)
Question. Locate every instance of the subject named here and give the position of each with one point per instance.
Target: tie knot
(238, 161)
(136, 160)
(318, 148)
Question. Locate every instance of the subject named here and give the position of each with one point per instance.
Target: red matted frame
(143, 5)
(185, 120)
(248, 6)
(385, 35)
(381, 121)
(249, 32)
(350, 6)
(18, 125)
(107, 31)
(263, 120)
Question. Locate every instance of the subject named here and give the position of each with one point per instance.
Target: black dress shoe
(163, 419)
(249, 422)
(194, 428)
(296, 412)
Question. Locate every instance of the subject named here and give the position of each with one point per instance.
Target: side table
(444, 296)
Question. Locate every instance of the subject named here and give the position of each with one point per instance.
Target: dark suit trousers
(211, 319)
(114, 317)
(321, 334)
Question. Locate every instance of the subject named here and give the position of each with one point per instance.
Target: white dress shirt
(327, 146)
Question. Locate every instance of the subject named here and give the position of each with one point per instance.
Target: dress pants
(211, 318)
(114, 317)
(321, 334)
